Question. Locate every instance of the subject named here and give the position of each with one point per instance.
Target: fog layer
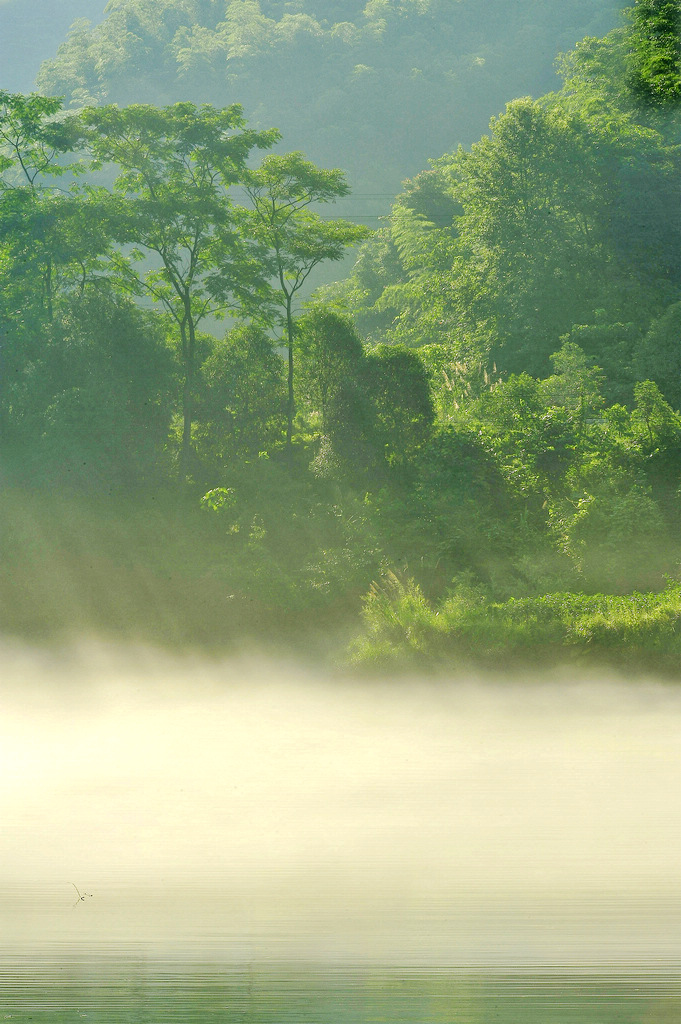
(464, 820)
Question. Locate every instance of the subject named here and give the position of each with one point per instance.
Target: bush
(402, 630)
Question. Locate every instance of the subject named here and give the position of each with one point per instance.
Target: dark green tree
(92, 410)
(41, 226)
(655, 78)
(34, 136)
(170, 207)
(658, 355)
(241, 398)
(404, 411)
(331, 357)
(51, 240)
(282, 191)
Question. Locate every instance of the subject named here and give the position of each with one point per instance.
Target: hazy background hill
(375, 87)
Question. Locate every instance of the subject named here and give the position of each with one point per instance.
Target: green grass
(635, 632)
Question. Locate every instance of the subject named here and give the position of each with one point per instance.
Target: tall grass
(403, 629)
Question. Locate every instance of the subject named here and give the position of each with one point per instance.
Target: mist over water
(259, 813)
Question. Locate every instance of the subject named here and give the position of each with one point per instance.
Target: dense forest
(376, 88)
(468, 451)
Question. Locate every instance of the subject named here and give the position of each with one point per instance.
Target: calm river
(183, 840)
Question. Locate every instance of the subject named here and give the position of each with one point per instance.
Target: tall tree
(36, 217)
(170, 205)
(656, 54)
(331, 354)
(282, 191)
(50, 241)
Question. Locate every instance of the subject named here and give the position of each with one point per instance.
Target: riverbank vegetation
(634, 633)
(467, 452)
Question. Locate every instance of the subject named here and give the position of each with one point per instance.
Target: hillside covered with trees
(474, 441)
(376, 88)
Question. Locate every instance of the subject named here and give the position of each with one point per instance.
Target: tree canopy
(480, 445)
(283, 190)
(342, 80)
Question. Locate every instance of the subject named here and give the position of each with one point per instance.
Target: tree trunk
(290, 406)
(47, 278)
(187, 332)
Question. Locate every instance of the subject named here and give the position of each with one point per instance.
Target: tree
(33, 136)
(171, 205)
(93, 406)
(112, 377)
(530, 247)
(36, 220)
(333, 383)
(282, 190)
(331, 353)
(404, 410)
(50, 238)
(658, 356)
(241, 397)
(576, 383)
(656, 57)
(500, 250)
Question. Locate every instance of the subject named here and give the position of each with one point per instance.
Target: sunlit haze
(458, 820)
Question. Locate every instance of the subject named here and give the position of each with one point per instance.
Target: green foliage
(537, 253)
(594, 75)
(656, 61)
(366, 292)
(602, 534)
(165, 230)
(658, 356)
(584, 475)
(404, 413)
(298, 239)
(33, 135)
(506, 434)
(576, 384)
(343, 80)
(653, 413)
(282, 189)
(535, 441)
(93, 407)
(291, 544)
(331, 353)
(611, 346)
(49, 238)
(170, 204)
(375, 407)
(657, 429)
(240, 400)
(500, 251)
(400, 287)
(461, 515)
(402, 630)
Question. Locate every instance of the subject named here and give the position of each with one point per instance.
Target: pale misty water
(266, 846)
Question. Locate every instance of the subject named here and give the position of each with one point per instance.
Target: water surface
(264, 845)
